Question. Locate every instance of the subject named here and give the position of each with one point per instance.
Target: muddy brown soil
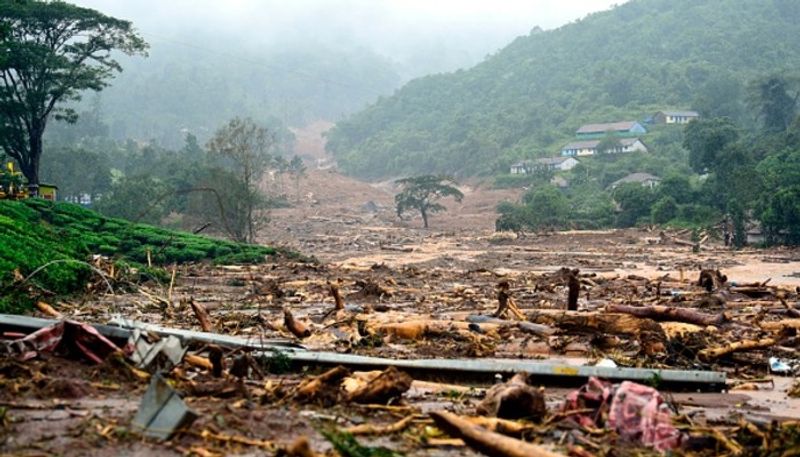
(409, 294)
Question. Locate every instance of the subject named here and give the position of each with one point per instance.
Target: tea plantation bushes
(34, 232)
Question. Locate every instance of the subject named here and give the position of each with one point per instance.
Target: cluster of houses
(612, 138)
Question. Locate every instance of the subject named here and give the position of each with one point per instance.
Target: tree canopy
(50, 53)
(422, 193)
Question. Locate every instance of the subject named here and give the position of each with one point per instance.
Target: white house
(545, 164)
(675, 117)
(589, 147)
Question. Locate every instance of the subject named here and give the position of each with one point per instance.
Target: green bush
(35, 232)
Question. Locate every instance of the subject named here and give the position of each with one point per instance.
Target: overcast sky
(392, 27)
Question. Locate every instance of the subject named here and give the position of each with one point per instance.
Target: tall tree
(50, 52)
(776, 106)
(247, 148)
(706, 139)
(421, 193)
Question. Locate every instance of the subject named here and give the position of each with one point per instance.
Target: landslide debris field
(409, 295)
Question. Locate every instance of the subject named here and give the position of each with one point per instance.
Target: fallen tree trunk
(415, 330)
(536, 329)
(650, 335)
(202, 316)
(780, 325)
(297, 328)
(389, 384)
(790, 310)
(710, 354)
(667, 313)
(324, 387)
(489, 443)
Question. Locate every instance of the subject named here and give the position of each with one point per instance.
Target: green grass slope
(34, 232)
(528, 99)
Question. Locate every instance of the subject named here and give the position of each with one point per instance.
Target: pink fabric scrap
(636, 412)
(639, 413)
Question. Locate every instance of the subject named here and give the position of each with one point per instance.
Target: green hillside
(528, 99)
(34, 232)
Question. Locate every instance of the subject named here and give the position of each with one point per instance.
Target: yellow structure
(48, 191)
(12, 186)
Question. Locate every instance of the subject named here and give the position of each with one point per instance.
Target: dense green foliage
(52, 52)
(34, 232)
(748, 176)
(528, 99)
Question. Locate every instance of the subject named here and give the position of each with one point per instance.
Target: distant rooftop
(613, 127)
(636, 178)
(681, 113)
(592, 144)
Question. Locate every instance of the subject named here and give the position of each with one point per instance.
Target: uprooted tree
(50, 52)
(421, 193)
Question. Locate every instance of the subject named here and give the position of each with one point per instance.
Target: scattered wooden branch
(337, 295)
(649, 333)
(391, 383)
(369, 429)
(536, 329)
(790, 310)
(324, 387)
(202, 316)
(710, 354)
(296, 327)
(489, 443)
(666, 313)
(506, 303)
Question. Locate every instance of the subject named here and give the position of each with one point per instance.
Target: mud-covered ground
(410, 293)
(414, 292)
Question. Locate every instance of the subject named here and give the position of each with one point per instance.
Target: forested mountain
(530, 97)
(185, 87)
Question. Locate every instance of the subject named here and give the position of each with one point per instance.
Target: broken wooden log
(202, 316)
(781, 325)
(391, 383)
(370, 429)
(790, 310)
(573, 289)
(337, 295)
(416, 330)
(48, 310)
(710, 354)
(753, 291)
(323, 388)
(489, 443)
(711, 279)
(514, 399)
(667, 313)
(536, 329)
(297, 328)
(300, 448)
(506, 303)
(216, 357)
(650, 335)
(198, 361)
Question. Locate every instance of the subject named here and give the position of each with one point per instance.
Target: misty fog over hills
(295, 62)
